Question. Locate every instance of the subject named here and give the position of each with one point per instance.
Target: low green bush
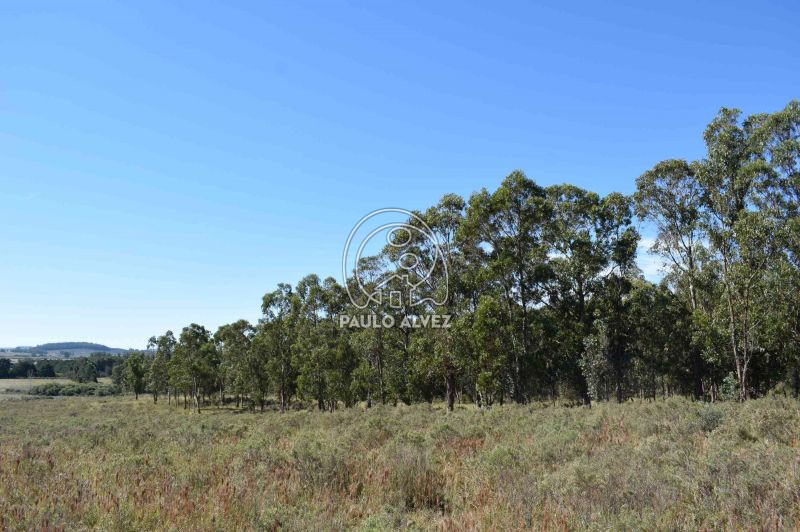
(75, 389)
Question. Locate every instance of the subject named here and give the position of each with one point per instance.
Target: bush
(709, 418)
(730, 387)
(54, 389)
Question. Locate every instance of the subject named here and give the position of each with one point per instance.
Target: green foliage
(730, 387)
(594, 364)
(710, 418)
(135, 369)
(44, 368)
(158, 374)
(5, 368)
(83, 370)
(23, 368)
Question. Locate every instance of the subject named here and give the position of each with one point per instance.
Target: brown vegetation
(119, 464)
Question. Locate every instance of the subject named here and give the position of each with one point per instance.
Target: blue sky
(163, 164)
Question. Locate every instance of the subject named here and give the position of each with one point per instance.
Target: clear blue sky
(163, 164)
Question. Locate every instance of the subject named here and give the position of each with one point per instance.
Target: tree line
(545, 297)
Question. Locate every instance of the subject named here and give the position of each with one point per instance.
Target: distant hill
(71, 349)
(70, 346)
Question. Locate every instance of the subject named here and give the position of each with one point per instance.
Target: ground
(120, 464)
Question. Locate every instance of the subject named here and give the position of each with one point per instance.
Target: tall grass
(119, 464)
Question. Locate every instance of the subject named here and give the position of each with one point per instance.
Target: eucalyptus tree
(491, 335)
(233, 345)
(342, 359)
(158, 375)
(260, 360)
(738, 182)
(736, 202)
(508, 227)
(197, 355)
(618, 239)
(311, 348)
(178, 376)
(660, 339)
(670, 196)
(367, 382)
(592, 249)
(277, 332)
(322, 355)
(134, 372)
(727, 175)
(370, 344)
(780, 137)
(575, 263)
(445, 351)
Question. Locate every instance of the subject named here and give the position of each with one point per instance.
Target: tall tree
(158, 375)
(733, 175)
(233, 345)
(135, 372)
(508, 226)
(275, 338)
(670, 196)
(197, 353)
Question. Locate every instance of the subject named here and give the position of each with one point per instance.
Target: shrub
(709, 418)
(730, 388)
(55, 389)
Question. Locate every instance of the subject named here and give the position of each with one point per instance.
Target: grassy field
(115, 463)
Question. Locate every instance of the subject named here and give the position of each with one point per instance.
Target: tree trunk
(196, 396)
(740, 374)
(450, 383)
(697, 358)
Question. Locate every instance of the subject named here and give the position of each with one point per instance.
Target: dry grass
(118, 464)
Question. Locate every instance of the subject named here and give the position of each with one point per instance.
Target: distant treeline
(83, 369)
(545, 296)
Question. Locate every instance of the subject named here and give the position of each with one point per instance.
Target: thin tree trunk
(450, 382)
